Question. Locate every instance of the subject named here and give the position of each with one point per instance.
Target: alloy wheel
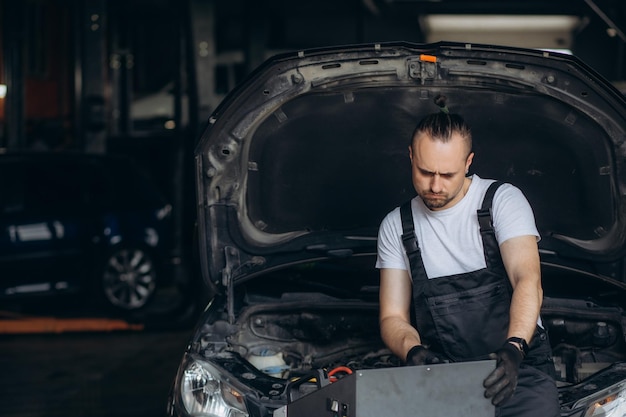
(129, 278)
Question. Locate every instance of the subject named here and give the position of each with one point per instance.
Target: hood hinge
(231, 256)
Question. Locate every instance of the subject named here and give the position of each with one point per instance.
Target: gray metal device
(450, 390)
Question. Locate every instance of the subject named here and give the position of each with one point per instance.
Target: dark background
(88, 374)
(140, 78)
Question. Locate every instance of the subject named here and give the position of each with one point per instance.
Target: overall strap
(485, 220)
(411, 246)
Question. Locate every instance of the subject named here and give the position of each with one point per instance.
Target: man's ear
(411, 153)
(468, 162)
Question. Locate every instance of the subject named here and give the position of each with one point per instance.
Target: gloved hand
(419, 355)
(501, 383)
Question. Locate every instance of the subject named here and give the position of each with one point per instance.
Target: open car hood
(305, 158)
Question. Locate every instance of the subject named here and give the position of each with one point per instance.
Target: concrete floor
(110, 374)
(80, 364)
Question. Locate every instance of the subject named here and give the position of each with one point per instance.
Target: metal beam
(13, 26)
(610, 23)
(92, 24)
(202, 14)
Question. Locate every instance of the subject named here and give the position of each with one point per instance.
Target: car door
(46, 229)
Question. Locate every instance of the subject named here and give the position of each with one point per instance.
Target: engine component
(399, 392)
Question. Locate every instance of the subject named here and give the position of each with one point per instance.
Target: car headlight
(610, 402)
(204, 392)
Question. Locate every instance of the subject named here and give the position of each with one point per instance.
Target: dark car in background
(299, 165)
(90, 225)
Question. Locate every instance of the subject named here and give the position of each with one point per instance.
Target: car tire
(127, 280)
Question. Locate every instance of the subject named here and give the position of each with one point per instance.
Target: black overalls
(466, 316)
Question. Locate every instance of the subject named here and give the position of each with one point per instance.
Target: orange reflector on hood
(428, 58)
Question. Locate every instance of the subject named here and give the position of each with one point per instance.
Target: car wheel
(128, 278)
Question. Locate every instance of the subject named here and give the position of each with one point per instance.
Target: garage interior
(140, 78)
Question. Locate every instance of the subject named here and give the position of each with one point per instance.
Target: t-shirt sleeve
(390, 249)
(513, 215)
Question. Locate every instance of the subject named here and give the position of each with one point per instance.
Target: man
(474, 294)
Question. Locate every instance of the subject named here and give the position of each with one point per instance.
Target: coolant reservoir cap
(268, 361)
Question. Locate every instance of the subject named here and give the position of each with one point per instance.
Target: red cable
(340, 369)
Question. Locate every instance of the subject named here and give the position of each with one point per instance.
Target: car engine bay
(286, 333)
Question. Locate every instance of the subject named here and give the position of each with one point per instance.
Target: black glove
(419, 355)
(501, 383)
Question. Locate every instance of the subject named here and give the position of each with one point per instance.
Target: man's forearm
(525, 308)
(521, 260)
(398, 335)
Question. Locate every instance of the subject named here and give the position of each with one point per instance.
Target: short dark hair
(441, 125)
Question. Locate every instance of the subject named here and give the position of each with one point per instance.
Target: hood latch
(423, 68)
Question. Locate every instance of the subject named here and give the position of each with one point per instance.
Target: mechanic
(475, 294)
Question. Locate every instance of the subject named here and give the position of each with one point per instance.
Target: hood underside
(305, 158)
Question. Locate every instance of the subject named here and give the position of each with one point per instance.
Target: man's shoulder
(505, 188)
(395, 212)
(393, 219)
(392, 216)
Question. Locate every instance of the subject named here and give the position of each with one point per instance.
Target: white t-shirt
(449, 239)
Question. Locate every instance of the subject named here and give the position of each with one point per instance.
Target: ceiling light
(532, 31)
(487, 23)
